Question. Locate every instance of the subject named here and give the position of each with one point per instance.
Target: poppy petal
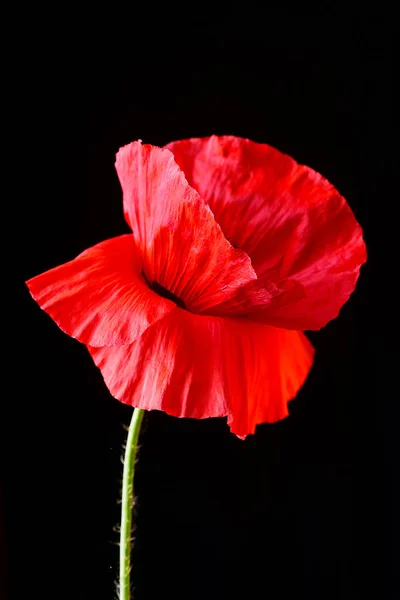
(265, 372)
(190, 365)
(299, 232)
(174, 367)
(100, 298)
(182, 247)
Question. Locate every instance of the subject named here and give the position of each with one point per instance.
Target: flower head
(235, 249)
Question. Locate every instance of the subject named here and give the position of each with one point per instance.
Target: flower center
(163, 292)
(231, 242)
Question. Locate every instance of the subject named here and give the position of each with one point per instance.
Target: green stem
(127, 505)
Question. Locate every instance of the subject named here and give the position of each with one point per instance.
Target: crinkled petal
(100, 298)
(298, 230)
(196, 366)
(182, 247)
(266, 370)
(175, 366)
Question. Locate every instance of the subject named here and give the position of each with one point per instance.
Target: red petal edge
(195, 366)
(100, 298)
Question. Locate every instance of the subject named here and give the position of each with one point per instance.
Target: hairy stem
(127, 505)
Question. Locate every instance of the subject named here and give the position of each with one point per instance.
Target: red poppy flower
(235, 249)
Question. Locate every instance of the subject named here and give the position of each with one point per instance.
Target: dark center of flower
(163, 292)
(231, 242)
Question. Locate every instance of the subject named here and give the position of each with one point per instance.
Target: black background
(304, 508)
